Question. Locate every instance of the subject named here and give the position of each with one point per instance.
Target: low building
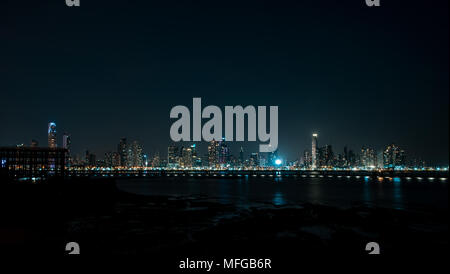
(32, 163)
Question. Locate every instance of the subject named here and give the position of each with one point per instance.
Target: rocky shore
(106, 221)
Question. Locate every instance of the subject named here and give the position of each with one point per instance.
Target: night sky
(111, 69)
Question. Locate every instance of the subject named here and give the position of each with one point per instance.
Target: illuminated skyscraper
(172, 156)
(123, 152)
(156, 160)
(66, 141)
(136, 155)
(108, 159)
(254, 160)
(196, 159)
(67, 144)
(314, 151)
(112, 159)
(241, 157)
(213, 156)
(224, 153)
(52, 135)
(187, 157)
(325, 157)
(306, 159)
(145, 159)
(393, 157)
(89, 159)
(368, 158)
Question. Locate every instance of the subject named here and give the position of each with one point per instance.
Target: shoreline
(105, 220)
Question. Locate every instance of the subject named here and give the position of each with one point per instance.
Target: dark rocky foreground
(104, 221)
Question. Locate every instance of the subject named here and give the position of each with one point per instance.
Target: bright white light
(278, 162)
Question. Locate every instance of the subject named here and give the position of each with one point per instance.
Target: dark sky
(111, 69)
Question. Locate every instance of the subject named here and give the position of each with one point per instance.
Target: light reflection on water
(278, 199)
(245, 191)
(398, 194)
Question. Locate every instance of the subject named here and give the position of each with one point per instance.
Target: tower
(51, 135)
(66, 145)
(213, 153)
(314, 151)
(172, 156)
(241, 157)
(123, 152)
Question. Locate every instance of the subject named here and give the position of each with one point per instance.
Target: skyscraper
(89, 159)
(67, 144)
(213, 149)
(109, 159)
(241, 157)
(156, 160)
(123, 152)
(314, 151)
(325, 156)
(254, 159)
(368, 158)
(306, 159)
(52, 135)
(172, 156)
(187, 157)
(196, 159)
(224, 153)
(136, 157)
(393, 156)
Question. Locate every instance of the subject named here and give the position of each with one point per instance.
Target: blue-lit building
(52, 135)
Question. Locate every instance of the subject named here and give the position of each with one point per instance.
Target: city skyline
(346, 83)
(131, 153)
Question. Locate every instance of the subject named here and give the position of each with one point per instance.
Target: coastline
(107, 221)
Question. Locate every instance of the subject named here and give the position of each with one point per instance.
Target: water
(396, 193)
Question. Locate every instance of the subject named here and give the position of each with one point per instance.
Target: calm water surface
(411, 194)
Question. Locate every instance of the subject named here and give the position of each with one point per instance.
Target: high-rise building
(112, 159)
(156, 160)
(135, 157)
(325, 157)
(345, 157)
(351, 161)
(187, 157)
(264, 159)
(67, 145)
(89, 159)
(314, 151)
(254, 160)
(393, 156)
(196, 159)
(224, 153)
(145, 157)
(306, 159)
(66, 141)
(380, 159)
(108, 159)
(213, 156)
(123, 152)
(271, 158)
(52, 135)
(241, 157)
(368, 158)
(172, 156)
